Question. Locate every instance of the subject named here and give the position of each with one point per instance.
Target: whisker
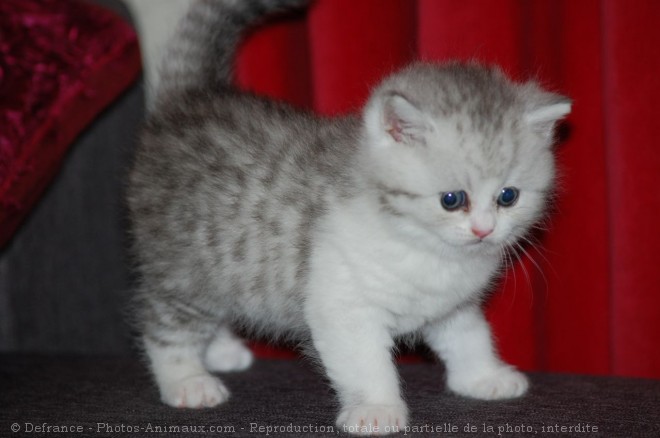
(507, 266)
(515, 275)
(521, 262)
(538, 267)
(513, 271)
(538, 249)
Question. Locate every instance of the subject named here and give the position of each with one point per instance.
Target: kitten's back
(229, 186)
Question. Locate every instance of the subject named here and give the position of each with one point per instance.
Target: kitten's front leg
(464, 341)
(356, 353)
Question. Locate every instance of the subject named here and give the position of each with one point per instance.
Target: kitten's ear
(403, 121)
(543, 116)
(393, 117)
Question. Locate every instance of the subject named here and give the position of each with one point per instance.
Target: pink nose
(481, 233)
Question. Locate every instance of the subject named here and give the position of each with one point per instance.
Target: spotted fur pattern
(248, 213)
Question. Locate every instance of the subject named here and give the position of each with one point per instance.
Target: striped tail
(201, 53)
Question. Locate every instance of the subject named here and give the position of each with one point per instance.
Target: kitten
(344, 233)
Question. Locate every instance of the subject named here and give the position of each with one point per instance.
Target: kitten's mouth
(474, 244)
(480, 241)
(481, 245)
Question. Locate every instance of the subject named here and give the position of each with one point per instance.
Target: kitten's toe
(505, 382)
(373, 419)
(195, 392)
(228, 354)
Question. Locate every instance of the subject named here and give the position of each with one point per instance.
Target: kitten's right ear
(544, 115)
(395, 118)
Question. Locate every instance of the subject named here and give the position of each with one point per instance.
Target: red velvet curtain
(588, 300)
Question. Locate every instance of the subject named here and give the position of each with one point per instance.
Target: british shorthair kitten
(344, 233)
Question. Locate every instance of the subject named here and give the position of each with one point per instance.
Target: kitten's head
(463, 152)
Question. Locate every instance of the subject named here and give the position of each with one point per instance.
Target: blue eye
(453, 200)
(508, 196)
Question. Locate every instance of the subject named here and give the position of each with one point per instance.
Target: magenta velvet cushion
(61, 63)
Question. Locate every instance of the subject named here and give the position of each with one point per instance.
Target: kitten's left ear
(394, 118)
(543, 116)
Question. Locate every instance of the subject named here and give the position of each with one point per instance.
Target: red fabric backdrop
(590, 300)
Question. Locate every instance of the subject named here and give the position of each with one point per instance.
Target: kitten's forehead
(468, 154)
(486, 163)
(490, 152)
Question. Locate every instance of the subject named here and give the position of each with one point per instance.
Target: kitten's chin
(474, 247)
(483, 247)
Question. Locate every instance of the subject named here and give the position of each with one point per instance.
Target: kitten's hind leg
(184, 382)
(227, 353)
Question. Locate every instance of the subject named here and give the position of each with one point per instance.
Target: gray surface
(64, 279)
(85, 392)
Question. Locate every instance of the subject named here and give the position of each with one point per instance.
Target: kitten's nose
(481, 233)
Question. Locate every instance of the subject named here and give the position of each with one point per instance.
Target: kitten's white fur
(375, 276)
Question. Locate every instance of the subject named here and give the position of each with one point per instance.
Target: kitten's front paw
(503, 383)
(195, 392)
(373, 419)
